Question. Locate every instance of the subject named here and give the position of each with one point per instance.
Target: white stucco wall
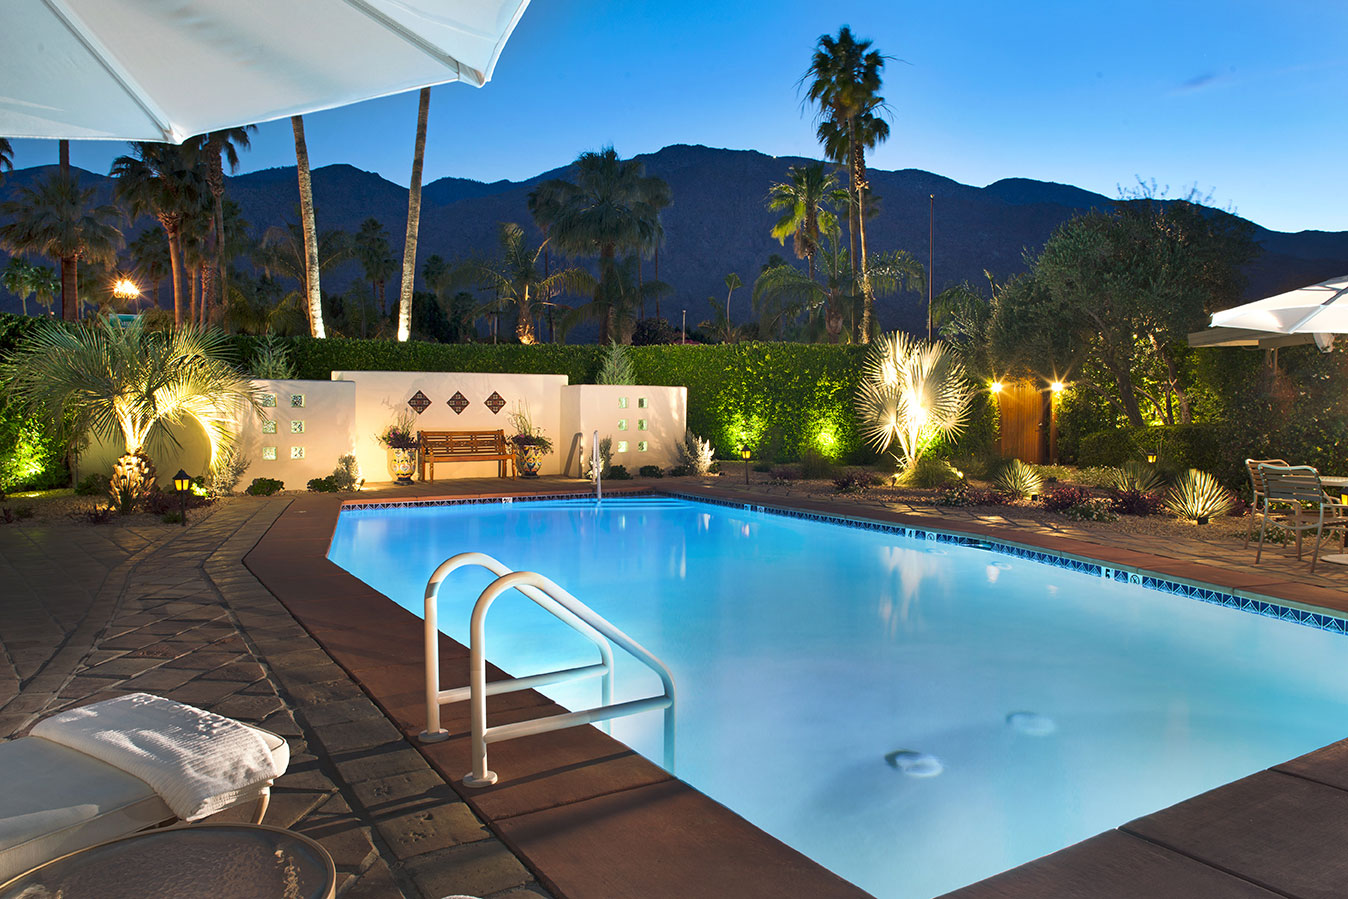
(381, 397)
(651, 421)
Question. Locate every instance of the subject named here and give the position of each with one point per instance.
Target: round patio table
(197, 861)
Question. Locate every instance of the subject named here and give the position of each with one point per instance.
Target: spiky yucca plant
(1198, 495)
(126, 383)
(1134, 477)
(1019, 479)
(912, 392)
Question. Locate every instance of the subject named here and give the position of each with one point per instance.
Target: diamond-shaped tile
(419, 402)
(494, 402)
(458, 402)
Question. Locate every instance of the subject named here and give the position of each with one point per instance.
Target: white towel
(198, 762)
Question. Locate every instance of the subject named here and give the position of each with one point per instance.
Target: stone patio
(92, 612)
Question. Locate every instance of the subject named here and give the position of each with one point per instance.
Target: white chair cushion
(55, 800)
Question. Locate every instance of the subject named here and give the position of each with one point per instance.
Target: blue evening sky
(1242, 99)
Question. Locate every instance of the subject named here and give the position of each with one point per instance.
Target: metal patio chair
(1295, 500)
(1258, 500)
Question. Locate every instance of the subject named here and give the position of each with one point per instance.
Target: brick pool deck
(242, 613)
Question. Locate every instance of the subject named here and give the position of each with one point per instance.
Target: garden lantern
(744, 454)
(1151, 458)
(182, 483)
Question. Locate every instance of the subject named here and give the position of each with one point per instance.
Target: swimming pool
(913, 715)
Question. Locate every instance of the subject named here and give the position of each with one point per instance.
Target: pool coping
(582, 810)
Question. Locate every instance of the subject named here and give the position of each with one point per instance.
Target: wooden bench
(464, 446)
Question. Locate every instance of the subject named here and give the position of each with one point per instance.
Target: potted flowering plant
(530, 443)
(401, 442)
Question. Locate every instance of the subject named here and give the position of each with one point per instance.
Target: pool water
(914, 716)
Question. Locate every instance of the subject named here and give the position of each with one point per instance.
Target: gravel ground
(63, 505)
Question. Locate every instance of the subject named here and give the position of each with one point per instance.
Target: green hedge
(32, 456)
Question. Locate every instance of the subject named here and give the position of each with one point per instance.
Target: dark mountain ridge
(719, 223)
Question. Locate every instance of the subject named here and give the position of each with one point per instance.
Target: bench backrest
(462, 443)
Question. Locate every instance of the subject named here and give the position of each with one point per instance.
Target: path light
(182, 483)
(1151, 458)
(744, 454)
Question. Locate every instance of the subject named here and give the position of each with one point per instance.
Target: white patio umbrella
(169, 69)
(1317, 312)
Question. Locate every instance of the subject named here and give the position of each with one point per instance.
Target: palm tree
(312, 290)
(166, 181)
(46, 285)
(150, 255)
(219, 148)
(613, 207)
(413, 221)
(284, 253)
(17, 278)
(618, 300)
(806, 203)
(783, 292)
(6, 158)
(517, 280)
(845, 80)
(370, 247)
(127, 383)
(56, 218)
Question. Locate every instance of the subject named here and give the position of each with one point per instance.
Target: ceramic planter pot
(403, 463)
(528, 459)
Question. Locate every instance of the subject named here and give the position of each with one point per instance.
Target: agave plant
(1198, 496)
(1134, 477)
(1018, 479)
(912, 392)
(126, 383)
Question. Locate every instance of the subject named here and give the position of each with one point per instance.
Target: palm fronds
(912, 392)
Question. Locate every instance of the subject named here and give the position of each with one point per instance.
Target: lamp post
(182, 483)
(744, 454)
(1151, 458)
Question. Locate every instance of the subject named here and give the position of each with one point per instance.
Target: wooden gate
(1026, 420)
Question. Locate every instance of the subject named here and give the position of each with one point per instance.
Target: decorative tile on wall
(419, 402)
(642, 424)
(458, 402)
(297, 427)
(297, 452)
(495, 402)
(622, 446)
(641, 446)
(297, 400)
(641, 402)
(267, 400)
(622, 402)
(268, 426)
(622, 424)
(269, 453)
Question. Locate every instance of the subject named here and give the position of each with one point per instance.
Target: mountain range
(719, 223)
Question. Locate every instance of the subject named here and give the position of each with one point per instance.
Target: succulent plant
(1018, 479)
(1198, 496)
(1134, 477)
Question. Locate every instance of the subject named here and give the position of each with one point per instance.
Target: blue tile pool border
(1268, 608)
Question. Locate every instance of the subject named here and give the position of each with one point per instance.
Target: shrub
(173, 517)
(680, 471)
(271, 360)
(1091, 510)
(1134, 477)
(1060, 499)
(322, 485)
(1136, 502)
(619, 473)
(1018, 479)
(962, 494)
(815, 466)
(1198, 495)
(161, 502)
(225, 473)
(346, 475)
(854, 482)
(92, 485)
(264, 487)
(785, 473)
(605, 459)
(1107, 448)
(617, 366)
(651, 471)
(929, 472)
(695, 454)
(762, 467)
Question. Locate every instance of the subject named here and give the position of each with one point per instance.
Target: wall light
(995, 387)
(1056, 386)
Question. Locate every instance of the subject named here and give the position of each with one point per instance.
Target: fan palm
(150, 255)
(219, 148)
(166, 181)
(284, 252)
(517, 280)
(46, 286)
(783, 292)
(613, 207)
(618, 299)
(370, 247)
(844, 81)
(806, 204)
(6, 158)
(126, 383)
(56, 218)
(17, 278)
(912, 392)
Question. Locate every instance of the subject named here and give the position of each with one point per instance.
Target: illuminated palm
(806, 203)
(912, 392)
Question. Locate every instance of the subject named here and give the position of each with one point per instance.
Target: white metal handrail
(597, 466)
(574, 613)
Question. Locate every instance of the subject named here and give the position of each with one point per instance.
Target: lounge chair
(1296, 501)
(55, 799)
(1258, 500)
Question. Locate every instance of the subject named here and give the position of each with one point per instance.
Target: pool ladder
(597, 466)
(566, 608)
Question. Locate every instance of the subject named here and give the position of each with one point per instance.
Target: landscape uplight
(125, 289)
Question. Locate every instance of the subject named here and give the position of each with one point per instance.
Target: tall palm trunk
(657, 277)
(70, 304)
(859, 182)
(413, 221)
(176, 265)
(213, 291)
(312, 289)
(524, 324)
